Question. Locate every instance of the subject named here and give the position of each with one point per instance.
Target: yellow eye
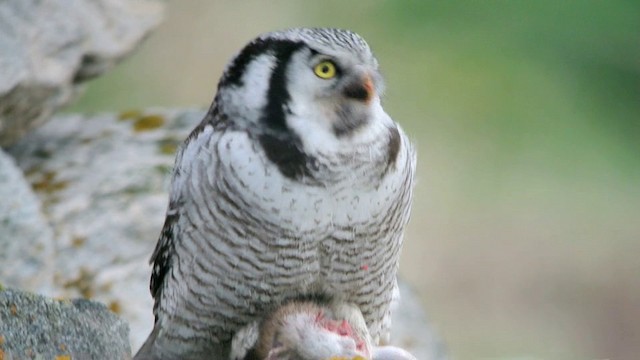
(325, 69)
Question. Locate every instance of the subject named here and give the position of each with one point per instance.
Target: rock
(26, 239)
(103, 181)
(48, 47)
(410, 328)
(37, 327)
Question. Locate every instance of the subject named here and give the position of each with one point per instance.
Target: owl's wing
(162, 255)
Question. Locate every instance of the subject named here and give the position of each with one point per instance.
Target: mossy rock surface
(38, 327)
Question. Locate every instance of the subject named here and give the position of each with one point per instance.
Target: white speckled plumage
(290, 186)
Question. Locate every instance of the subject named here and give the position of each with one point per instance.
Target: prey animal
(312, 329)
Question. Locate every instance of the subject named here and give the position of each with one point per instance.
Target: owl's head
(312, 82)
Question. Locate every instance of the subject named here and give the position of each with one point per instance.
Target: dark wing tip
(394, 145)
(162, 255)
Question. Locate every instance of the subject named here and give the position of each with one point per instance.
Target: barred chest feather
(336, 232)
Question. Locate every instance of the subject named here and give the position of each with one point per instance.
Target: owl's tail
(147, 352)
(158, 347)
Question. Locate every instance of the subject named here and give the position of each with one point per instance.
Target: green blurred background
(525, 236)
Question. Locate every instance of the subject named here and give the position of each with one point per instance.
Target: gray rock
(411, 330)
(48, 47)
(103, 181)
(26, 239)
(103, 184)
(37, 327)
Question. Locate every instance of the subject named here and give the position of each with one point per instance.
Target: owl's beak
(360, 88)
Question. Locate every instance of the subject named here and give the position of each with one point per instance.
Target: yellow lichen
(129, 115)
(148, 122)
(77, 241)
(115, 306)
(83, 283)
(63, 357)
(48, 184)
(65, 301)
(168, 146)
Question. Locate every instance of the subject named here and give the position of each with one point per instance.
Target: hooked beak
(360, 88)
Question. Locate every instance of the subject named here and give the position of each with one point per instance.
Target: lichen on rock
(37, 327)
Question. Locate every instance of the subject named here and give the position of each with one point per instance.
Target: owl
(295, 183)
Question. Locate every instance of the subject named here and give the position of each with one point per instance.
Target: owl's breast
(338, 237)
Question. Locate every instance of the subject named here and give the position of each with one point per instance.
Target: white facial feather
(315, 104)
(249, 99)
